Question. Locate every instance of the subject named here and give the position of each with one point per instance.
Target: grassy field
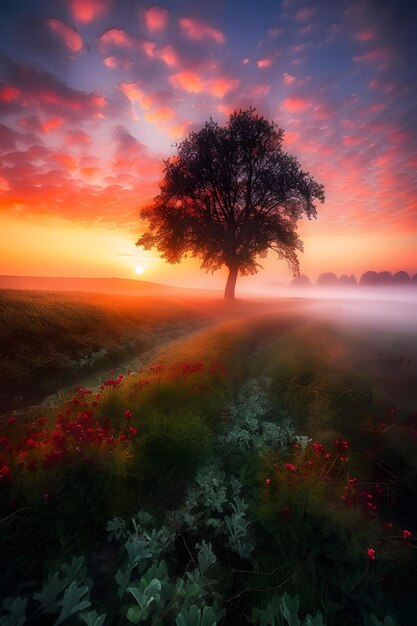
(259, 467)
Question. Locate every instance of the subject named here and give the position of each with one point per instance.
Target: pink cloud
(168, 55)
(376, 55)
(296, 103)
(88, 10)
(264, 63)
(323, 112)
(156, 19)
(305, 13)
(288, 79)
(118, 37)
(365, 35)
(179, 131)
(66, 34)
(245, 61)
(117, 62)
(8, 93)
(197, 31)
(77, 137)
(351, 140)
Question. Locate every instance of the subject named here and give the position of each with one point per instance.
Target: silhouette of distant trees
(384, 279)
(401, 278)
(348, 281)
(328, 279)
(301, 281)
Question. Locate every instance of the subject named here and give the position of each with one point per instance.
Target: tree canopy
(228, 196)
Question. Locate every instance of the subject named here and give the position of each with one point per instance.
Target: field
(172, 459)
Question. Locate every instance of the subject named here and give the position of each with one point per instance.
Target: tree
(228, 196)
(328, 279)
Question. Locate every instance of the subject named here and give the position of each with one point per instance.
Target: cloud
(88, 10)
(118, 62)
(168, 55)
(115, 38)
(305, 13)
(288, 79)
(156, 19)
(161, 115)
(197, 31)
(66, 34)
(264, 63)
(296, 103)
(77, 137)
(192, 83)
(41, 91)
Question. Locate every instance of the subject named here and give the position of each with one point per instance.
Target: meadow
(206, 463)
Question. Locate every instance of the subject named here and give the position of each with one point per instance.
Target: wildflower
(352, 482)
(5, 472)
(11, 420)
(133, 430)
(341, 444)
(388, 525)
(128, 413)
(317, 448)
(267, 482)
(371, 554)
(343, 459)
(406, 534)
(290, 467)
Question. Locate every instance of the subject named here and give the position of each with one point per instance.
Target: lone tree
(228, 196)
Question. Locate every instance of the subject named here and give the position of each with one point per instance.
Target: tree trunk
(229, 292)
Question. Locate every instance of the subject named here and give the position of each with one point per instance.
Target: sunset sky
(95, 93)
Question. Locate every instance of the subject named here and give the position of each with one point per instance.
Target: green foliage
(195, 616)
(282, 610)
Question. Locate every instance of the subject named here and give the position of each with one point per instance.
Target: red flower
(371, 554)
(133, 430)
(341, 444)
(317, 448)
(5, 472)
(290, 467)
(388, 525)
(11, 420)
(128, 413)
(267, 482)
(406, 534)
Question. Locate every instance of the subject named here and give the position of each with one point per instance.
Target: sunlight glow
(139, 269)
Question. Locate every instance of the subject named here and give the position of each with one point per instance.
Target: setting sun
(139, 269)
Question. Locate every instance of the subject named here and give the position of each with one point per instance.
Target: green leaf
(17, 608)
(289, 609)
(93, 618)
(206, 556)
(50, 592)
(196, 617)
(122, 578)
(72, 602)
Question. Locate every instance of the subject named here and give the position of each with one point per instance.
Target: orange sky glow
(94, 94)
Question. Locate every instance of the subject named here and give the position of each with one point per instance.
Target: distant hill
(117, 286)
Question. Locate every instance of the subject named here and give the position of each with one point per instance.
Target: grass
(334, 382)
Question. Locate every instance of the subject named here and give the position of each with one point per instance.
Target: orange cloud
(196, 30)
(296, 103)
(160, 115)
(264, 63)
(156, 19)
(168, 55)
(68, 35)
(52, 124)
(134, 93)
(88, 10)
(377, 55)
(77, 137)
(189, 81)
(221, 86)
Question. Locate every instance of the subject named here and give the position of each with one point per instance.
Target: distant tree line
(368, 279)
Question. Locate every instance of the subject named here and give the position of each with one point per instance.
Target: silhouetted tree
(384, 278)
(347, 281)
(328, 279)
(369, 279)
(228, 196)
(414, 279)
(301, 281)
(401, 278)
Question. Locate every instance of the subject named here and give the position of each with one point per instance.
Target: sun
(139, 269)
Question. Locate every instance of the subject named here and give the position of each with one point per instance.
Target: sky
(94, 94)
